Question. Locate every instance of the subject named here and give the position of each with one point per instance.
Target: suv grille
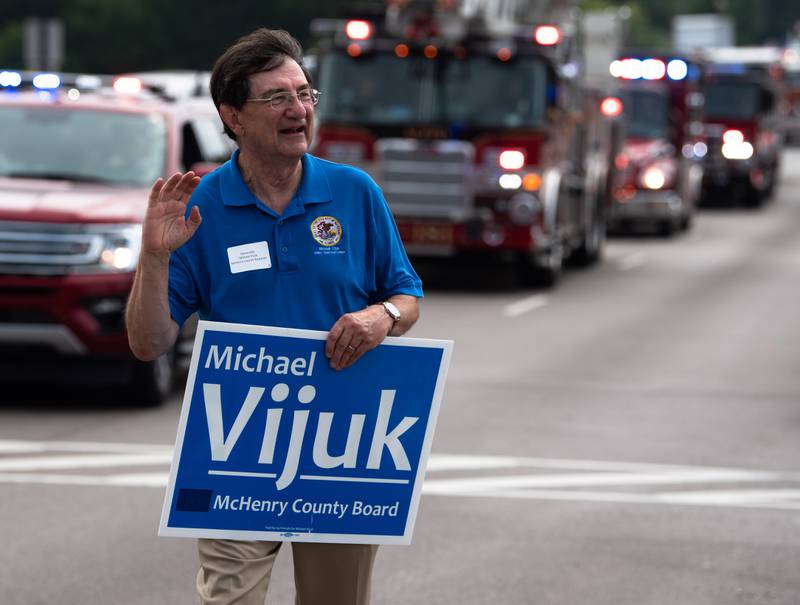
(46, 249)
(426, 179)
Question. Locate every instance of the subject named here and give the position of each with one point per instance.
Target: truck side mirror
(767, 101)
(203, 168)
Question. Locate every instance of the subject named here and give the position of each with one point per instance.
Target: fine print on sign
(275, 445)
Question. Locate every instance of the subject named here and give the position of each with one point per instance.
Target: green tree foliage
(111, 36)
(125, 35)
(758, 22)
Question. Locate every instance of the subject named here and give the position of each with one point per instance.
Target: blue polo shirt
(334, 250)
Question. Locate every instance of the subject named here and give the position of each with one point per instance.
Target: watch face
(393, 311)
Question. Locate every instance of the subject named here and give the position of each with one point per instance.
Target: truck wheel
(667, 227)
(591, 248)
(754, 197)
(542, 273)
(152, 381)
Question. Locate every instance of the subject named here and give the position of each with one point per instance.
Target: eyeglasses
(283, 100)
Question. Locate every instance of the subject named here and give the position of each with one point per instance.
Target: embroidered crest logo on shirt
(327, 231)
(249, 257)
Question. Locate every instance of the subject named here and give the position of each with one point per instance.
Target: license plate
(427, 234)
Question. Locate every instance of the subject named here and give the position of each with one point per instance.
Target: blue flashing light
(46, 81)
(10, 79)
(677, 69)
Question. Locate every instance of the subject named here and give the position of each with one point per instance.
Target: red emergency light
(358, 30)
(547, 35)
(611, 107)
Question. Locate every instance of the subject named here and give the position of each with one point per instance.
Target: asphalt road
(629, 437)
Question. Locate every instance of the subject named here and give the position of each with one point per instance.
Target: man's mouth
(297, 130)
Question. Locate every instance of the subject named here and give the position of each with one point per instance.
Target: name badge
(249, 257)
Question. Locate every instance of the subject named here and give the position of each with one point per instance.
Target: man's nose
(297, 107)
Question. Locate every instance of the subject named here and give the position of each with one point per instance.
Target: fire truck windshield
(737, 100)
(81, 145)
(646, 114)
(479, 91)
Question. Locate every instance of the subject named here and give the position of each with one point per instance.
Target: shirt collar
(314, 187)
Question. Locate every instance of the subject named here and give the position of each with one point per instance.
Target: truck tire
(667, 227)
(754, 197)
(542, 274)
(152, 381)
(591, 249)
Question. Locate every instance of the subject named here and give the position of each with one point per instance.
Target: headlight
(737, 151)
(653, 178)
(117, 249)
(734, 147)
(523, 208)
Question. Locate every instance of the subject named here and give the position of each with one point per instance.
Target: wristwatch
(393, 311)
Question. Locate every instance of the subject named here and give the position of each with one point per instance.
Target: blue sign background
(195, 504)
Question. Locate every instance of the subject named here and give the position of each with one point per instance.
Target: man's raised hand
(165, 229)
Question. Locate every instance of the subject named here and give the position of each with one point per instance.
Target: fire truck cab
(743, 125)
(791, 81)
(660, 170)
(473, 120)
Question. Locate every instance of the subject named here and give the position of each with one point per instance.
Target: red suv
(77, 159)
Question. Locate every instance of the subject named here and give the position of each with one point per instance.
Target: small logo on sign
(327, 231)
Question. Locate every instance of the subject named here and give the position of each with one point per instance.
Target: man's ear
(230, 115)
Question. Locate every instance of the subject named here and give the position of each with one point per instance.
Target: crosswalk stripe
(519, 478)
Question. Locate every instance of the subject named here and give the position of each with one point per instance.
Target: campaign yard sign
(275, 445)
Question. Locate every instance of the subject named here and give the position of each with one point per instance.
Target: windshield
(731, 100)
(383, 90)
(792, 78)
(76, 144)
(646, 114)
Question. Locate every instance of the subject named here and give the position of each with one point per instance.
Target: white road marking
(631, 261)
(521, 478)
(485, 484)
(525, 305)
(11, 445)
(778, 502)
(447, 462)
(86, 461)
(158, 480)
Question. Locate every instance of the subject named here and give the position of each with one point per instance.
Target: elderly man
(330, 259)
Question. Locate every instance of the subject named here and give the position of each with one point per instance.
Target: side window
(204, 141)
(190, 154)
(214, 145)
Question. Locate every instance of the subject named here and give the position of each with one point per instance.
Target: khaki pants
(234, 572)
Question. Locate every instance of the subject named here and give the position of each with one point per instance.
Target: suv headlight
(117, 248)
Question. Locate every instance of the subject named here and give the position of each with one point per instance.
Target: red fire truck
(660, 166)
(473, 119)
(744, 124)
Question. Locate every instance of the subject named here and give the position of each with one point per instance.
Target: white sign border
(164, 530)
